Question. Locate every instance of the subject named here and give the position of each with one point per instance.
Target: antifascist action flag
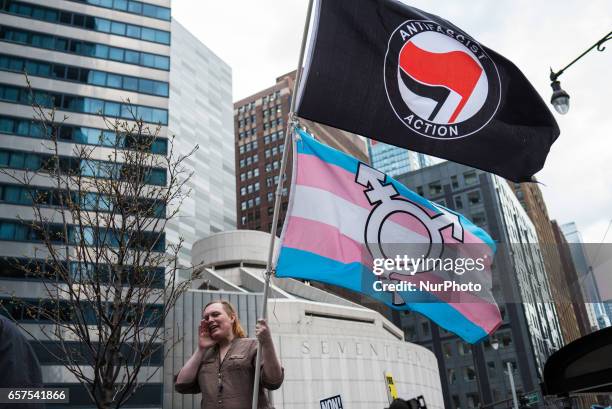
(352, 226)
(394, 73)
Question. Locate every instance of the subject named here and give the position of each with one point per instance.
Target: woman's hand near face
(205, 341)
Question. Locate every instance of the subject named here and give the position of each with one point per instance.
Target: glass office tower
(83, 58)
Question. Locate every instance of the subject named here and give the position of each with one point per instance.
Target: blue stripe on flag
(305, 265)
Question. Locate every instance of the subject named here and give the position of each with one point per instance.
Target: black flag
(399, 75)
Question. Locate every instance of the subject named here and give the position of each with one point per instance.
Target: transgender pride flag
(345, 217)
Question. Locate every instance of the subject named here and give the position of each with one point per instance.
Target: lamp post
(495, 346)
(560, 98)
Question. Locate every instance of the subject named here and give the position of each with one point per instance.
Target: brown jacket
(229, 384)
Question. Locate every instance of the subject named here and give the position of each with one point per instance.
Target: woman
(223, 366)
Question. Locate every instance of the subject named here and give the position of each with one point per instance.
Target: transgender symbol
(397, 226)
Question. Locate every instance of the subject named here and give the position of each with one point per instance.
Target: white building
(201, 113)
(328, 346)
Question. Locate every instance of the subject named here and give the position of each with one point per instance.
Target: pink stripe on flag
(319, 174)
(324, 240)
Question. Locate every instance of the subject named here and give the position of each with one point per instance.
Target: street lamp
(560, 98)
(495, 344)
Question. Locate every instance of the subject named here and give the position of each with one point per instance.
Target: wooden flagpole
(291, 123)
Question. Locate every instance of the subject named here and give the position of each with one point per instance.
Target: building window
(469, 374)
(84, 48)
(425, 328)
(454, 182)
(270, 196)
(435, 188)
(491, 369)
(452, 376)
(473, 401)
(463, 348)
(419, 190)
(84, 105)
(82, 75)
(456, 402)
(242, 191)
(470, 178)
(256, 172)
(409, 333)
(505, 340)
(474, 198)
(132, 6)
(447, 348)
(458, 202)
(243, 205)
(479, 219)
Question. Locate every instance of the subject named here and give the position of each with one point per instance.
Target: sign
(335, 402)
(532, 398)
(391, 389)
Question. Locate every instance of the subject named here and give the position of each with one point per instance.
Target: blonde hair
(231, 311)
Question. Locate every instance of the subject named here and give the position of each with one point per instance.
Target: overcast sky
(260, 41)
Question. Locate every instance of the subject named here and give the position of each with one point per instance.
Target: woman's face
(219, 323)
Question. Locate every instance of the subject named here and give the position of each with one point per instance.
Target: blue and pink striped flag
(346, 220)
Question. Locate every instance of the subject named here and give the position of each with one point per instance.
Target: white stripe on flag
(325, 207)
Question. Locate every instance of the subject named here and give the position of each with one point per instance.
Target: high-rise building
(608, 305)
(201, 114)
(83, 58)
(260, 125)
(474, 374)
(395, 161)
(571, 276)
(530, 197)
(586, 278)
